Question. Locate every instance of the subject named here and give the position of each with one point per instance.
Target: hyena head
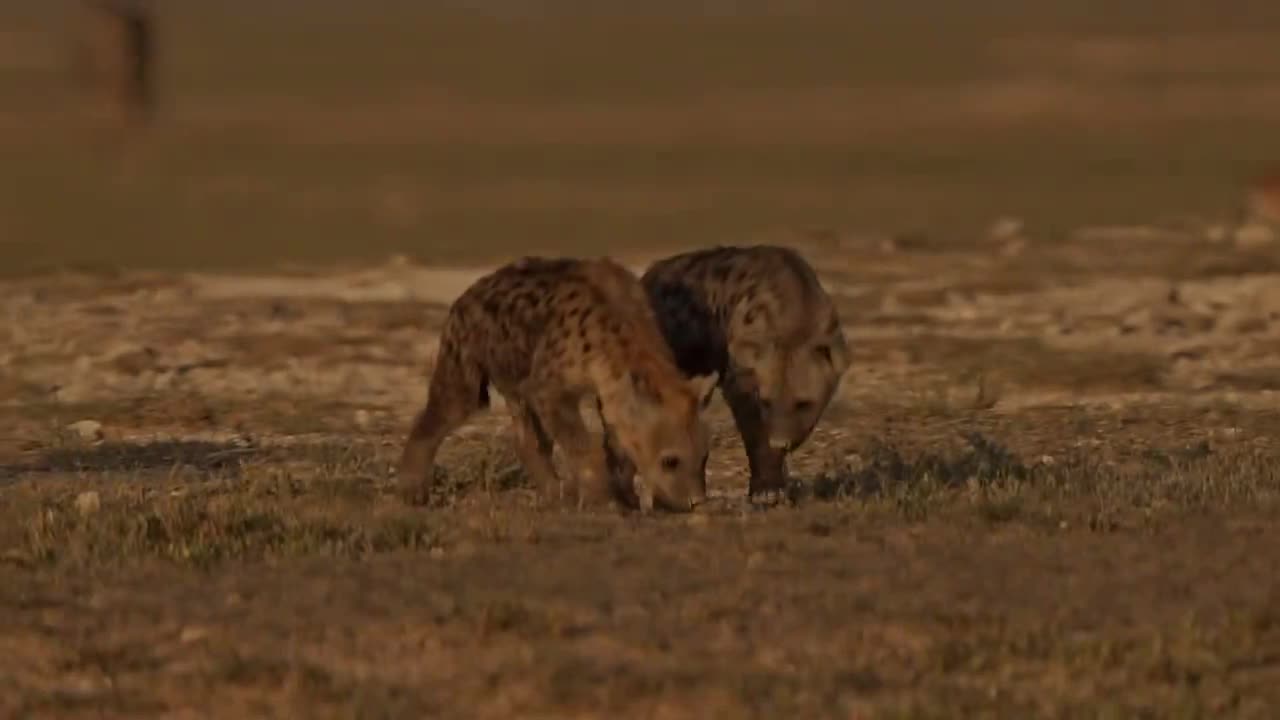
(659, 427)
(792, 359)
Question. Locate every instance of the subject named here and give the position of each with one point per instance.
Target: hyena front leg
(767, 463)
(622, 471)
(533, 447)
(562, 416)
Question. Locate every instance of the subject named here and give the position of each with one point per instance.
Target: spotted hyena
(758, 317)
(548, 333)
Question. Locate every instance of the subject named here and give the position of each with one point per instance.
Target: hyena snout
(789, 423)
(677, 484)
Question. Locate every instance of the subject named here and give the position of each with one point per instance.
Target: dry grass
(892, 583)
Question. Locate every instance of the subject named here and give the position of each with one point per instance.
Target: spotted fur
(547, 333)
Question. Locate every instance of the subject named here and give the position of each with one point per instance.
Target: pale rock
(192, 633)
(73, 392)
(1006, 228)
(88, 503)
(82, 366)
(161, 381)
(87, 430)
(1217, 234)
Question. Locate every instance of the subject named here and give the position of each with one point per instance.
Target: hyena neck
(637, 366)
(634, 386)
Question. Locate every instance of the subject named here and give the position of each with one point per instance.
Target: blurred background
(269, 132)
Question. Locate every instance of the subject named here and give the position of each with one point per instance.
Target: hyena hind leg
(533, 447)
(457, 391)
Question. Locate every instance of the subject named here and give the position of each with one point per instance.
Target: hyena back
(547, 333)
(759, 318)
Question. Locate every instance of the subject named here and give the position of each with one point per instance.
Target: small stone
(16, 557)
(133, 360)
(363, 419)
(192, 633)
(87, 430)
(163, 380)
(1006, 228)
(1217, 234)
(88, 503)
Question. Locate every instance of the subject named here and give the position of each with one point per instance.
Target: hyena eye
(824, 352)
(670, 463)
(804, 406)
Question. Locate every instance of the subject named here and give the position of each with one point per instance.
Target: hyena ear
(840, 355)
(836, 348)
(703, 386)
(834, 351)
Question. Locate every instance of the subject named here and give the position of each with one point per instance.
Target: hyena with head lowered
(758, 317)
(548, 333)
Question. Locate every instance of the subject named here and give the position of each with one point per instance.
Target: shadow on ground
(133, 457)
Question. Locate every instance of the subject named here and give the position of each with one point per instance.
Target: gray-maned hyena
(547, 333)
(759, 318)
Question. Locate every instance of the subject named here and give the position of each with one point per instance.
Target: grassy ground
(902, 583)
(1047, 487)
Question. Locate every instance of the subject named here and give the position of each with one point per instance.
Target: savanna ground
(1047, 487)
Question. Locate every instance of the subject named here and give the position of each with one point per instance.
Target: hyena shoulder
(709, 300)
